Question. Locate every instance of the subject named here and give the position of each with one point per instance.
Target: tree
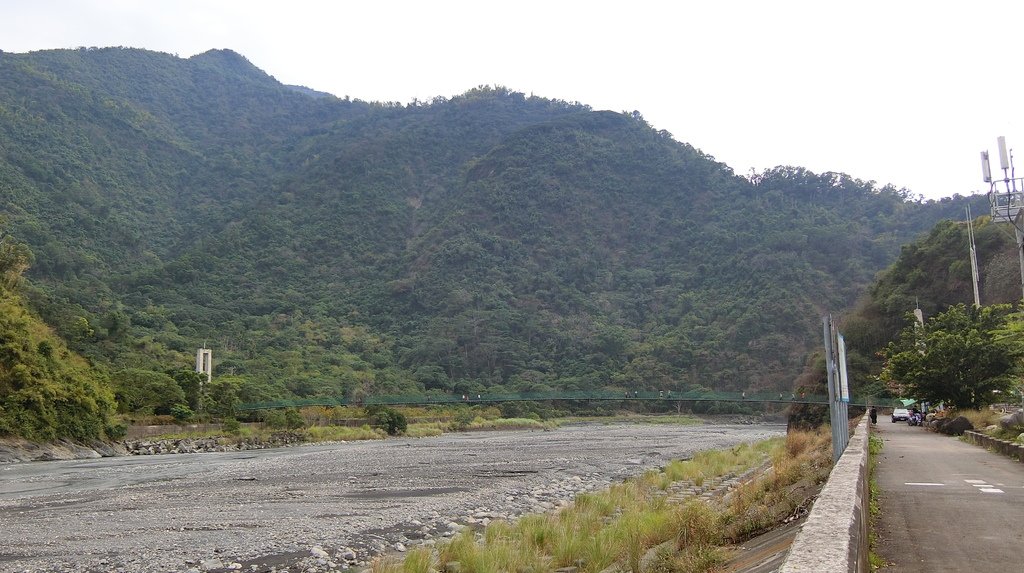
(190, 382)
(221, 397)
(146, 392)
(15, 258)
(957, 357)
(388, 419)
(293, 419)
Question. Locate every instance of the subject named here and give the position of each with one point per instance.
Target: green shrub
(463, 418)
(116, 430)
(388, 419)
(274, 419)
(45, 348)
(231, 426)
(293, 419)
(181, 412)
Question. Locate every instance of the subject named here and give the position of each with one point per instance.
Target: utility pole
(974, 258)
(838, 387)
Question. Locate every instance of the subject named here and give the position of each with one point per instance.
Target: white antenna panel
(1004, 160)
(986, 169)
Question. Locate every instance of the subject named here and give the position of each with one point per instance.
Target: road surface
(947, 505)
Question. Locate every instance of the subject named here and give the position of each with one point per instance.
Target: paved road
(947, 505)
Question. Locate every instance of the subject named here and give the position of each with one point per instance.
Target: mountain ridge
(485, 240)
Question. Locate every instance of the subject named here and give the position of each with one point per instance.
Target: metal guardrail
(487, 398)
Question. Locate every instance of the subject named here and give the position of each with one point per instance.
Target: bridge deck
(485, 398)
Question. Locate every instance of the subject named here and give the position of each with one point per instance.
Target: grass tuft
(621, 524)
(344, 433)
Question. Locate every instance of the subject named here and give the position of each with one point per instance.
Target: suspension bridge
(586, 396)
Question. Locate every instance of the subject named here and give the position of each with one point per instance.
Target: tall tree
(957, 357)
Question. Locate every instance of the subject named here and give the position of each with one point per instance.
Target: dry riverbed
(326, 507)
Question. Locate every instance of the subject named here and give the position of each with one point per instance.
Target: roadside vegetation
(982, 418)
(987, 420)
(636, 526)
(875, 560)
(349, 423)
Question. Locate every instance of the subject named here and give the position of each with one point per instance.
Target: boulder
(1010, 421)
(210, 564)
(317, 551)
(957, 426)
(653, 558)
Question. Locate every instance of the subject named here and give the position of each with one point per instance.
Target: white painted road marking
(922, 483)
(983, 486)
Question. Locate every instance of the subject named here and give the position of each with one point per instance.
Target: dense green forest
(932, 273)
(333, 246)
(46, 392)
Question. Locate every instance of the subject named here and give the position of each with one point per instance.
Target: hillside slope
(932, 273)
(46, 392)
(491, 239)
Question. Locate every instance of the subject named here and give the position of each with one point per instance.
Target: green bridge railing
(486, 398)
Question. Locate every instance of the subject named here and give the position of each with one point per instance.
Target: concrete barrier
(835, 536)
(1005, 447)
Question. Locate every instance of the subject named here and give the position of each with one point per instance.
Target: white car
(900, 414)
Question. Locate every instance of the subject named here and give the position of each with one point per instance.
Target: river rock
(317, 551)
(956, 427)
(347, 553)
(210, 564)
(1011, 421)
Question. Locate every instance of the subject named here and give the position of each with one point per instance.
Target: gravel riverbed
(315, 508)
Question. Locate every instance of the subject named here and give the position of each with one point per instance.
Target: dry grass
(480, 423)
(705, 465)
(621, 524)
(425, 429)
(981, 419)
(344, 433)
(798, 469)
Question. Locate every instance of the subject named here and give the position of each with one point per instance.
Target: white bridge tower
(204, 362)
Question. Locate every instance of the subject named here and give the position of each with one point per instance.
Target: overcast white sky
(900, 92)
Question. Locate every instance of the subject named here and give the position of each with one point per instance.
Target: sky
(905, 92)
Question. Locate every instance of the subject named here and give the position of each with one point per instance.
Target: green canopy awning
(907, 401)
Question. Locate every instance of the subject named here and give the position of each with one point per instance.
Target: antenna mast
(1007, 207)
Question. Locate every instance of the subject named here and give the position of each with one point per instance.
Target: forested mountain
(932, 273)
(323, 245)
(46, 392)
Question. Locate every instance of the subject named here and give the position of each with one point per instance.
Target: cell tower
(1008, 203)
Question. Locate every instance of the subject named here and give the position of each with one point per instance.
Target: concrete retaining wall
(141, 432)
(1005, 447)
(835, 536)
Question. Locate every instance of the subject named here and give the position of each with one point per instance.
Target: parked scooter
(914, 419)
